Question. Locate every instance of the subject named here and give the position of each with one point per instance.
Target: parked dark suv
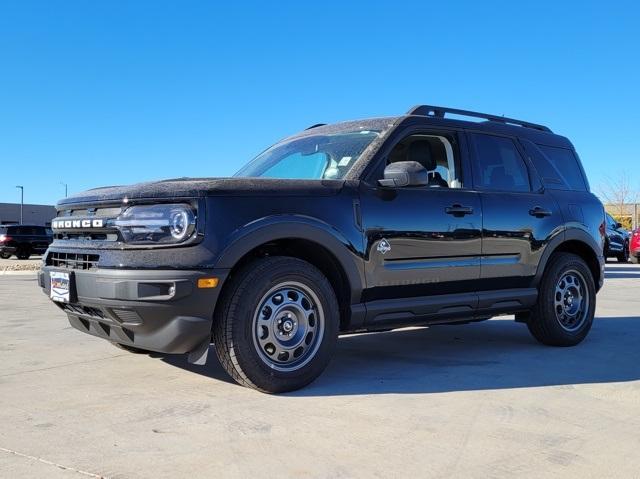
(359, 226)
(23, 240)
(616, 241)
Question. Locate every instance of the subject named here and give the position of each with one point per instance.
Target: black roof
(438, 116)
(537, 133)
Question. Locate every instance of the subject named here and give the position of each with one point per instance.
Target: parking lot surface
(15, 264)
(479, 400)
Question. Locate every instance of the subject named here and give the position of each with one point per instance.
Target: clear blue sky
(99, 93)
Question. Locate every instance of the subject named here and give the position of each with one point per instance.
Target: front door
(422, 240)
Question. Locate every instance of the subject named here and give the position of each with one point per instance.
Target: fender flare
(280, 227)
(570, 234)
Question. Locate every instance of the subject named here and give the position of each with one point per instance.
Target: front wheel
(566, 304)
(277, 325)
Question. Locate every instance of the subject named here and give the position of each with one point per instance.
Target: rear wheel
(566, 303)
(277, 324)
(624, 256)
(5, 255)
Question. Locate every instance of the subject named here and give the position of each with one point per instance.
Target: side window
(435, 153)
(565, 163)
(499, 165)
(558, 167)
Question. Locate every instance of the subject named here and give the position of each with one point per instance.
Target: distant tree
(617, 192)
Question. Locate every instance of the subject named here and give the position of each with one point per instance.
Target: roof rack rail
(315, 126)
(439, 112)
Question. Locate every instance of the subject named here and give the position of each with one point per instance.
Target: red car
(634, 246)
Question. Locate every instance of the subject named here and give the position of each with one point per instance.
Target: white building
(40, 215)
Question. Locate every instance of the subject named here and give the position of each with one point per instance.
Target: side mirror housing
(404, 173)
(618, 226)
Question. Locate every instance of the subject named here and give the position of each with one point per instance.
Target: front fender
(279, 227)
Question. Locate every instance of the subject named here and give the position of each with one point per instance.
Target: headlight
(153, 224)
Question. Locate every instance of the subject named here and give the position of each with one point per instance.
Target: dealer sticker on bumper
(60, 286)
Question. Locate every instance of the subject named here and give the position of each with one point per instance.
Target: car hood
(201, 187)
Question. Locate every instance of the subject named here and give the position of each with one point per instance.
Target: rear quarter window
(559, 168)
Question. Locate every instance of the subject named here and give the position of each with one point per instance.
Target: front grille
(81, 261)
(86, 236)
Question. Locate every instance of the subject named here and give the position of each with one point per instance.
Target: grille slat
(76, 261)
(93, 313)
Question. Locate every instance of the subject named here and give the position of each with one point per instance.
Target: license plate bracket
(61, 286)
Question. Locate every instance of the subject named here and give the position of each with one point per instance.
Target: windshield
(313, 157)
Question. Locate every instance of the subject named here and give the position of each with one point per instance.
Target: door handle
(539, 212)
(458, 210)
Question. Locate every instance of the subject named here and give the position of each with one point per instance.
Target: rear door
(519, 217)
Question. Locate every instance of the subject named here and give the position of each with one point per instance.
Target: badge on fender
(384, 247)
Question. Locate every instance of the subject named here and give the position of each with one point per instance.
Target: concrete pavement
(480, 400)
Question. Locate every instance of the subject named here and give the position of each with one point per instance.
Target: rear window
(558, 167)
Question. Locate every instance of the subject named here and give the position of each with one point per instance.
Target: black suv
(23, 240)
(359, 226)
(616, 241)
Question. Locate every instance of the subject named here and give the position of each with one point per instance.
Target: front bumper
(161, 310)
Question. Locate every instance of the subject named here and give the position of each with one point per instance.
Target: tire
(567, 286)
(624, 256)
(23, 252)
(131, 349)
(277, 324)
(5, 255)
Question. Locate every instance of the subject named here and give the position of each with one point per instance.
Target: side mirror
(404, 173)
(618, 226)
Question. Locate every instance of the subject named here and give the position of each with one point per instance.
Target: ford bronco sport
(367, 225)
